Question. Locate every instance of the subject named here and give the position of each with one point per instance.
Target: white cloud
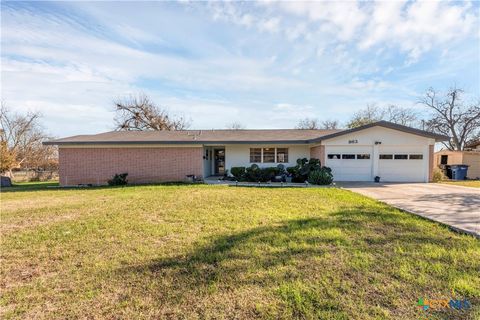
(230, 61)
(270, 25)
(419, 26)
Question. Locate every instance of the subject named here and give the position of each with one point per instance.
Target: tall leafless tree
(450, 116)
(235, 126)
(404, 116)
(329, 124)
(140, 113)
(22, 136)
(373, 113)
(308, 124)
(370, 114)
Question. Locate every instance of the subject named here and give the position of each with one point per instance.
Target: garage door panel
(350, 169)
(401, 170)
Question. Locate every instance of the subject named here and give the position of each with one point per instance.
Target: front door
(219, 161)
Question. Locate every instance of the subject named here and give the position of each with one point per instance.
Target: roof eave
(60, 143)
(388, 125)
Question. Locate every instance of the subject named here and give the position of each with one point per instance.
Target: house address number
(353, 141)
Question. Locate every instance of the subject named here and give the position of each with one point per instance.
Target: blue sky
(263, 64)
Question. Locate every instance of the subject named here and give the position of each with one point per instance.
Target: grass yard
(197, 251)
(465, 183)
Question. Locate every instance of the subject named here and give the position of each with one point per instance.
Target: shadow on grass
(54, 186)
(277, 258)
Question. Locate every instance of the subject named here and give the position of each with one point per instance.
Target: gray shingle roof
(228, 136)
(197, 136)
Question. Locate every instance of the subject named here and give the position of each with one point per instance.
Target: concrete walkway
(456, 206)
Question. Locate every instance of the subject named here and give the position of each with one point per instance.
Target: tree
(8, 158)
(21, 142)
(329, 124)
(308, 124)
(140, 113)
(370, 114)
(451, 117)
(235, 126)
(392, 113)
(404, 116)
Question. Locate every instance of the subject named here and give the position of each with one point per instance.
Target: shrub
(238, 173)
(438, 175)
(118, 180)
(321, 177)
(253, 173)
(303, 168)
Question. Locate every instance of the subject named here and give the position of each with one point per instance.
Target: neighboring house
(391, 151)
(470, 156)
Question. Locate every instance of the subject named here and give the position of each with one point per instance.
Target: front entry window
(219, 158)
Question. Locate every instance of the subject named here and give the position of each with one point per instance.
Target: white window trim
(275, 155)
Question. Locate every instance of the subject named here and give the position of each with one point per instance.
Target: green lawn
(197, 251)
(465, 183)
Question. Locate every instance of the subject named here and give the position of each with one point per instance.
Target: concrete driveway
(456, 206)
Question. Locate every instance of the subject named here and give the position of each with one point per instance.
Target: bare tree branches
(314, 124)
(329, 124)
(22, 137)
(392, 113)
(235, 125)
(452, 117)
(140, 113)
(308, 124)
(370, 114)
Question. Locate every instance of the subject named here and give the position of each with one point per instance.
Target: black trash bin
(459, 171)
(448, 171)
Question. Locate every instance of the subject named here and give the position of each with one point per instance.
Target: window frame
(388, 155)
(261, 155)
(285, 155)
(332, 155)
(272, 155)
(419, 155)
(275, 155)
(363, 156)
(400, 155)
(345, 155)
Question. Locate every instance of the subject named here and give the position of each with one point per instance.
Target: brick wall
(318, 152)
(144, 165)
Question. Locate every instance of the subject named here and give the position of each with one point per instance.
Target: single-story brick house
(391, 151)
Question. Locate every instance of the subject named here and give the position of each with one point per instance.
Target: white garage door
(350, 163)
(402, 164)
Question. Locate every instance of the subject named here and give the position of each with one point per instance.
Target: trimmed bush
(238, 173)
(438, 175)
(118, 180)
(321, 177)
(303, 168)
(253, 173)
(256, 174)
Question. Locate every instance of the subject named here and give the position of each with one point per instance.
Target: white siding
(391, 142)
(403, 170)
(239, 155)
(350, 169)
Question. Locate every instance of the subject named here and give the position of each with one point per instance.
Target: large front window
(282, 155)
(255, 155)
(268, 155)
